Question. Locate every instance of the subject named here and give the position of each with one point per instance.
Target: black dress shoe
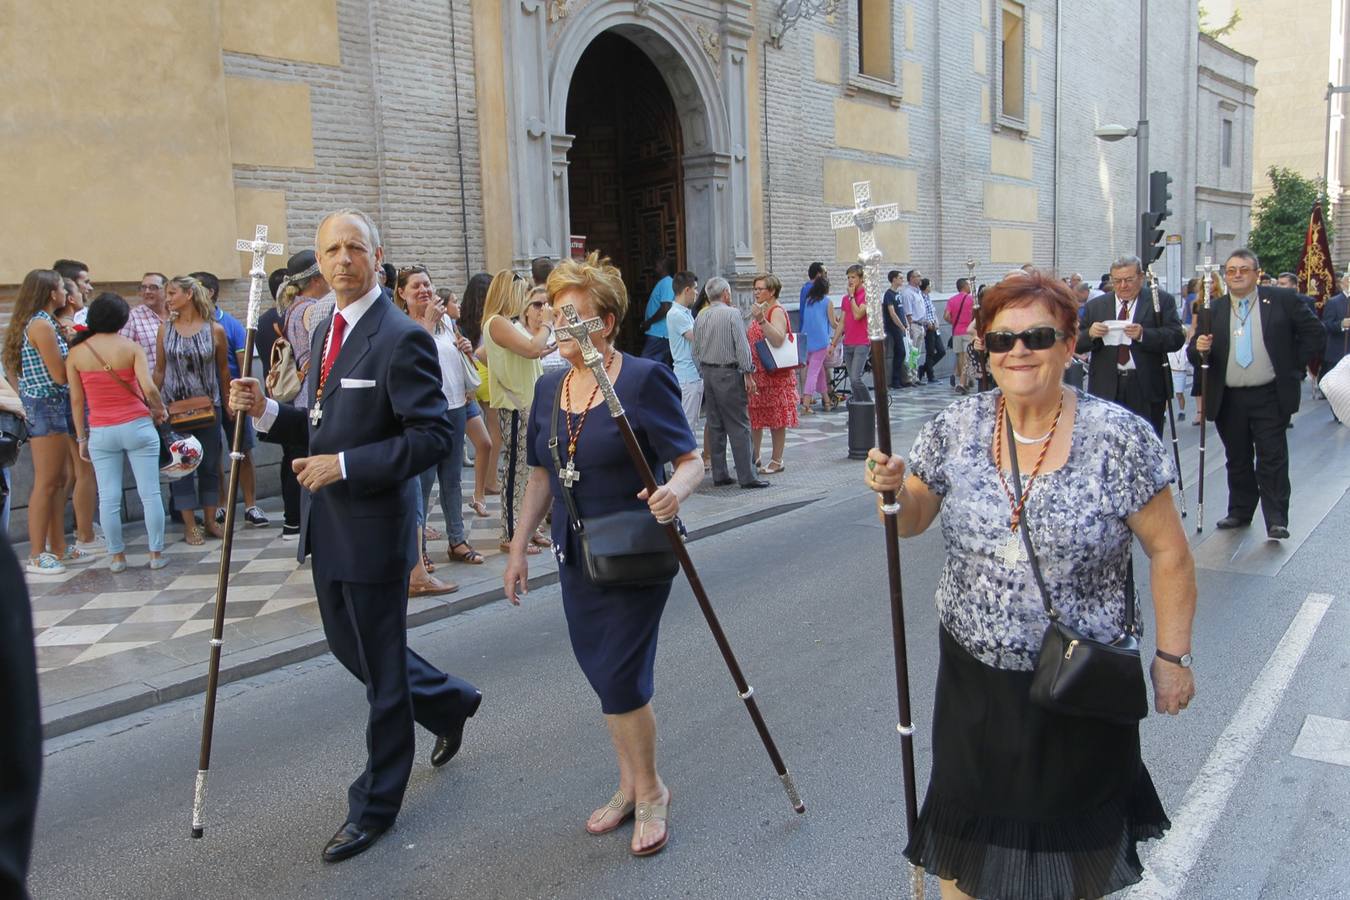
(349, 841)
(447, 745)
(1277, 532)
(723, 482)
(757, 483)
(1231, 522)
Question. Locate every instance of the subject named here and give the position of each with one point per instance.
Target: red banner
(1316, 274)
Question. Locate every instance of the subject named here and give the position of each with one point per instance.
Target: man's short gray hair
(355, 214)
(717, 287)
(1244, 253)
(1128, 261)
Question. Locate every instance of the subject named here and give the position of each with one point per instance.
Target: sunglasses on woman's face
(1042, 337)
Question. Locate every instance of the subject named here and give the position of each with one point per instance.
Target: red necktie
(334, 345)
(1122, 351)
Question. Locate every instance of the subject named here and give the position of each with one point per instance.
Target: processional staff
(1203, 326)
(1167, 379)
(261, 249)
(975, 317)
(864, 217)
(581, 331)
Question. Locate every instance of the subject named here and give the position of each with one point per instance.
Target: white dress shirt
(352, 313)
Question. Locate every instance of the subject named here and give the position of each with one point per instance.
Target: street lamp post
(1140, 133)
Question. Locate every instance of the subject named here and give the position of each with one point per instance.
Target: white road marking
(1167, 868)
(1324, 740)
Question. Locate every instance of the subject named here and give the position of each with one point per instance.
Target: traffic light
(1153, 237)
(1158, 194)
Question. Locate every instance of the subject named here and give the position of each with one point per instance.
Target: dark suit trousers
(1130, 394)
(1250, 419)
(366, 628)
(728, 422)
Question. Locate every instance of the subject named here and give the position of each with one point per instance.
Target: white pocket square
(358, 383)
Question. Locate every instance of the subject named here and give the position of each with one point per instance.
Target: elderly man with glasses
(1258, 340)
(145, 320)
(1128, 333)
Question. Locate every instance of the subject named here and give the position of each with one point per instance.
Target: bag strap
(1130, 600)
(120, 380)
(568, 500)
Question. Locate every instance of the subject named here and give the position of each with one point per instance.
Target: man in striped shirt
(143, 323)
(722, 352)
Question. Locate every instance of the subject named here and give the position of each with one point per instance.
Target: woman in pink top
(109, 374)
(854, 321)
(960, 312)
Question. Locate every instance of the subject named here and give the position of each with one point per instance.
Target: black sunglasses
(1042, 337)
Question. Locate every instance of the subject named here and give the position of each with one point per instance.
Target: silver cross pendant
(569, 475)
(315, 416)
(1010, 551)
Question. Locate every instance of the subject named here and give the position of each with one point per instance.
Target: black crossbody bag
(628, 548)
(1076, 675)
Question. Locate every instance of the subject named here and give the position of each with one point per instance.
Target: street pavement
(1254, 774)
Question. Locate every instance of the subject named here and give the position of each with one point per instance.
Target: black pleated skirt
(1025, 804)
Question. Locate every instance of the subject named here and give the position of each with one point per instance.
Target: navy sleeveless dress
(613, 630)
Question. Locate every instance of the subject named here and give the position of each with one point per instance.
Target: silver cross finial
(580, 330)
(864, 216)
(261, 248)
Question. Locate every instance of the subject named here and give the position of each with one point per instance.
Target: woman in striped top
(35, 360)
(191, 360)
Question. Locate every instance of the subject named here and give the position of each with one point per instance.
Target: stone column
(737, 82)
(536, 226)
(707, 208)
(560, 205)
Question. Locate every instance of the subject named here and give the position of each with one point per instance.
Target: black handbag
(13, 435)
(628, 548)
(1077, 675)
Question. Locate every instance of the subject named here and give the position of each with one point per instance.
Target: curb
(122, 700)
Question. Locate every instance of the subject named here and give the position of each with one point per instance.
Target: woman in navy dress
(613, 630)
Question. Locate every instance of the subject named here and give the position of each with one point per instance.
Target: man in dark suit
(1132, 373)
(20, 727)
(1335, 319)
(1258, 341)
(376, 418)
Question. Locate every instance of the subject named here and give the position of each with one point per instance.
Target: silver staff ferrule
(199, 804)
(749, 692)
(794, 797)
(891, 509)
(905, 730)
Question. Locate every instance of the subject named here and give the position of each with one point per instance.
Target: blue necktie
(1243, 349)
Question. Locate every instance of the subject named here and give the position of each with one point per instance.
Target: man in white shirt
(679, 331)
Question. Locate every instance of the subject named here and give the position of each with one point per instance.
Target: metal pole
(1141, 136)
(1326, 146)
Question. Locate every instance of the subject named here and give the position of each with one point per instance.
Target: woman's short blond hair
(597, 277)
(772, 283)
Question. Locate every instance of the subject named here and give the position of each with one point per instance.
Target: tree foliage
(1219, 31)
(1280, 220)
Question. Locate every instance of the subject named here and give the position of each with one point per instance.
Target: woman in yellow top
(515, 335)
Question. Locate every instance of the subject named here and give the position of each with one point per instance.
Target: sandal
(618, 806)
(427, 563)
(773, 468)
(530, 549)
(479, 508)
(433, 534)
(467, 555)
(193, 536)
(645, 813)
(541, 540)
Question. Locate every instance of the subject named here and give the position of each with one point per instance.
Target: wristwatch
(1184, 660)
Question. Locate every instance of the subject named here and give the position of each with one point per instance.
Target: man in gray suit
(722, 353)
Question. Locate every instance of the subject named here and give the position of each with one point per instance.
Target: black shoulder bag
(1076, 675)
(628, 548)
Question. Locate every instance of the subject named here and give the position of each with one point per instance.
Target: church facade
(484, 133)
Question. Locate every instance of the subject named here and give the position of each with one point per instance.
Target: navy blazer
(396, 426)
(1163, 333)
(1292, 336)
(1333, 314)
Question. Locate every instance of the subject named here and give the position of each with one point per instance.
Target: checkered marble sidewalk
(95, 629)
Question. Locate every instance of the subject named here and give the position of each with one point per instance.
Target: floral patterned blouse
(1076, 514)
